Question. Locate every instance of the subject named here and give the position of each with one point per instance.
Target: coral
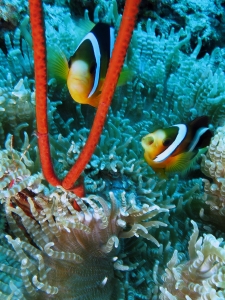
(213, 166)
(10, 13)
(170, 86)
(59, 21)
(100, 10)
(205, 20)
(202, 277)
(16, 88)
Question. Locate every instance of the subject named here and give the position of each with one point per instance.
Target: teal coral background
(177, 59)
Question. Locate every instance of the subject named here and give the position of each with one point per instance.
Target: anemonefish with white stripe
(86, 69)
(173, 149)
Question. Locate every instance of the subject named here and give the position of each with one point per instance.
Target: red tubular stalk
(38, 36)
(115, 66)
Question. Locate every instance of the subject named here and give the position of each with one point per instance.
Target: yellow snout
(79, 81)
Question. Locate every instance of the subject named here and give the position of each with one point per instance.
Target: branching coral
(202, 277)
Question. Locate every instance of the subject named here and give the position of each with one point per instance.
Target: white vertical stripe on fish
(90, 36)
(182, 131)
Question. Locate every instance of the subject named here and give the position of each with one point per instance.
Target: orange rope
(116, 63)
(115, 66)
(38, 36)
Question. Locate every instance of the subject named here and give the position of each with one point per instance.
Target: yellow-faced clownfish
(173, 149)
(86, 69)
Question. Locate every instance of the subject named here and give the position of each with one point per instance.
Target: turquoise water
(140, 234)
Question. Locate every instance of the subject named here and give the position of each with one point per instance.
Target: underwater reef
(137, 235)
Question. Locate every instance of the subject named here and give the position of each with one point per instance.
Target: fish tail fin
(125, 76)
(57, 64)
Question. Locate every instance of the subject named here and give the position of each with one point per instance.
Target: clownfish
(86, 69)
(173, 149)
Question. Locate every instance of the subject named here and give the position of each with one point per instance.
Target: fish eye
(167, 142)
(93, 68)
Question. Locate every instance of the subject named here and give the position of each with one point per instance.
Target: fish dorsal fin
(182, 131)
(85, 24)
(181, 162)
(57, 64)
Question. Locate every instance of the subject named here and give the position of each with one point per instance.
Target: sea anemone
(202, 277)
(61, 253)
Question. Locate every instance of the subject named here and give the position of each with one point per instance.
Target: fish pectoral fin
(181, 162)
(94, 99)
(100, 84)
(57, 64)
(125, 75)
